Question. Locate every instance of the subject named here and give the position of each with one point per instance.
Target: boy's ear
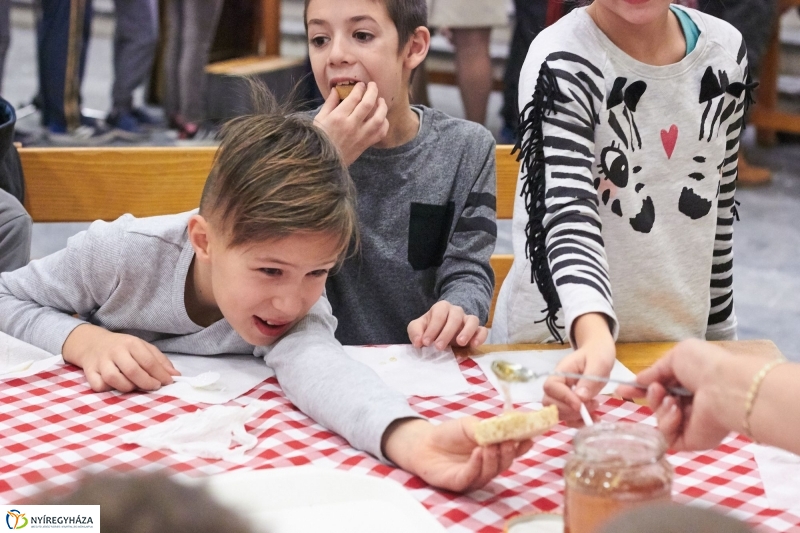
(199, 229)
(416, 49)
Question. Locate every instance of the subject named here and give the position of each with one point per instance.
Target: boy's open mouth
(269, 328)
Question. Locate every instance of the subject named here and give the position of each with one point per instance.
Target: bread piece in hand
(344, 91)
(515, 425)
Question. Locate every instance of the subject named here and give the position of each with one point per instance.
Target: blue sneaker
(146, 119)
(126, 125)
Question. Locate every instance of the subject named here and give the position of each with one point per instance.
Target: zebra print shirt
(625, 200)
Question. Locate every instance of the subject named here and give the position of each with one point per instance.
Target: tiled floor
(767, 239)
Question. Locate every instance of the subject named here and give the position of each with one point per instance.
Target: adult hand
(595, 356)
(691, 423)
(446, 455)
(117, 361)
(445, 324)
(355, 123)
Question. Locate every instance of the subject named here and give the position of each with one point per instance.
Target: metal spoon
(516, 372)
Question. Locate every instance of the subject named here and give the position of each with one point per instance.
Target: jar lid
(535, 523)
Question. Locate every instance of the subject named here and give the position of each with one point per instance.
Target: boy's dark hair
(276, 174)
(407, 15)
(148, 503)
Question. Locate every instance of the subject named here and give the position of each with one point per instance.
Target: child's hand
(356, 123)
(117, 361)
(446, 455)
(446, 324)
(594, 357)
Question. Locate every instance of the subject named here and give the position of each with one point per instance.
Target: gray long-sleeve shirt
(427, 219)
(129, 276)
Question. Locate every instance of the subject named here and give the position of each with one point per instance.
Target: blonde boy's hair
(276, 174)
(407, 15)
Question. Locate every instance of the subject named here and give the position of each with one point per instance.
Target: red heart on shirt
(669, 139)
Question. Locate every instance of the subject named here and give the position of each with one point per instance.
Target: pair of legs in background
(192, 25)
(63, 32)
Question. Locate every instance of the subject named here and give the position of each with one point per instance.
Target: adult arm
(720, 382)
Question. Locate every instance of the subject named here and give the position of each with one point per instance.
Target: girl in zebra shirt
(622, 231)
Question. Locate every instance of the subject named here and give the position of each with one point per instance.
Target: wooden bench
(86, 184)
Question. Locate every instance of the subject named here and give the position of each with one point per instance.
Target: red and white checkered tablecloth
(53, 430)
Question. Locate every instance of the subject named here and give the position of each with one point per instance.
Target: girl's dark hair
(276, 174)
(407, 15)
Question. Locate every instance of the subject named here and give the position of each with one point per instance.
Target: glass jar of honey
(613, 468)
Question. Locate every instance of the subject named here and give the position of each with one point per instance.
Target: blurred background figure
(469, 24)
(5, 35)
(149, 503)
(135, 41)
(63, 30)
(191, 28)
(15, 224)
(754, 20)
(531, 18)
(674, 518)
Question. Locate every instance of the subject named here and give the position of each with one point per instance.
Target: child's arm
(355, 123)
(348, 398)
(595, 356)
(721, 316)
(465, 280)
(115, 361)
(446, 455)
(37, 304)
(561, 97)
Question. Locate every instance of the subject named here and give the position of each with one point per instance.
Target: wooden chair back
(86, 184)
(507, 172)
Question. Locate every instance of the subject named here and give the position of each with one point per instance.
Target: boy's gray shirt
(428, 228)
(129, 276)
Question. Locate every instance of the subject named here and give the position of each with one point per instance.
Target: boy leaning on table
(243, 275)
(426, 182)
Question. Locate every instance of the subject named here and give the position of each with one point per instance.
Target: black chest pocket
(428, 229)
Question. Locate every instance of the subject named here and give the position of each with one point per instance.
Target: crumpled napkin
(779, 471)
(207, 433)
(19, 359)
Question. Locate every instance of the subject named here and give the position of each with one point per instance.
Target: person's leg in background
(62, 37)
(200, 19)
(753, 19)
(473, 70)
(172, 59)
(530, 20)
(5, 35)
(135, 40)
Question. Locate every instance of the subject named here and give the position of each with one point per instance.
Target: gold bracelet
(752, 394)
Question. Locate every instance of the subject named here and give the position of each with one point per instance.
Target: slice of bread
(344, 91)
(515, 425)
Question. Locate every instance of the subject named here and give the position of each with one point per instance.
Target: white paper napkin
(238, 374)
(779, 472)
(539, 361)
(413, 371)
(214, 433)
(19, 359)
